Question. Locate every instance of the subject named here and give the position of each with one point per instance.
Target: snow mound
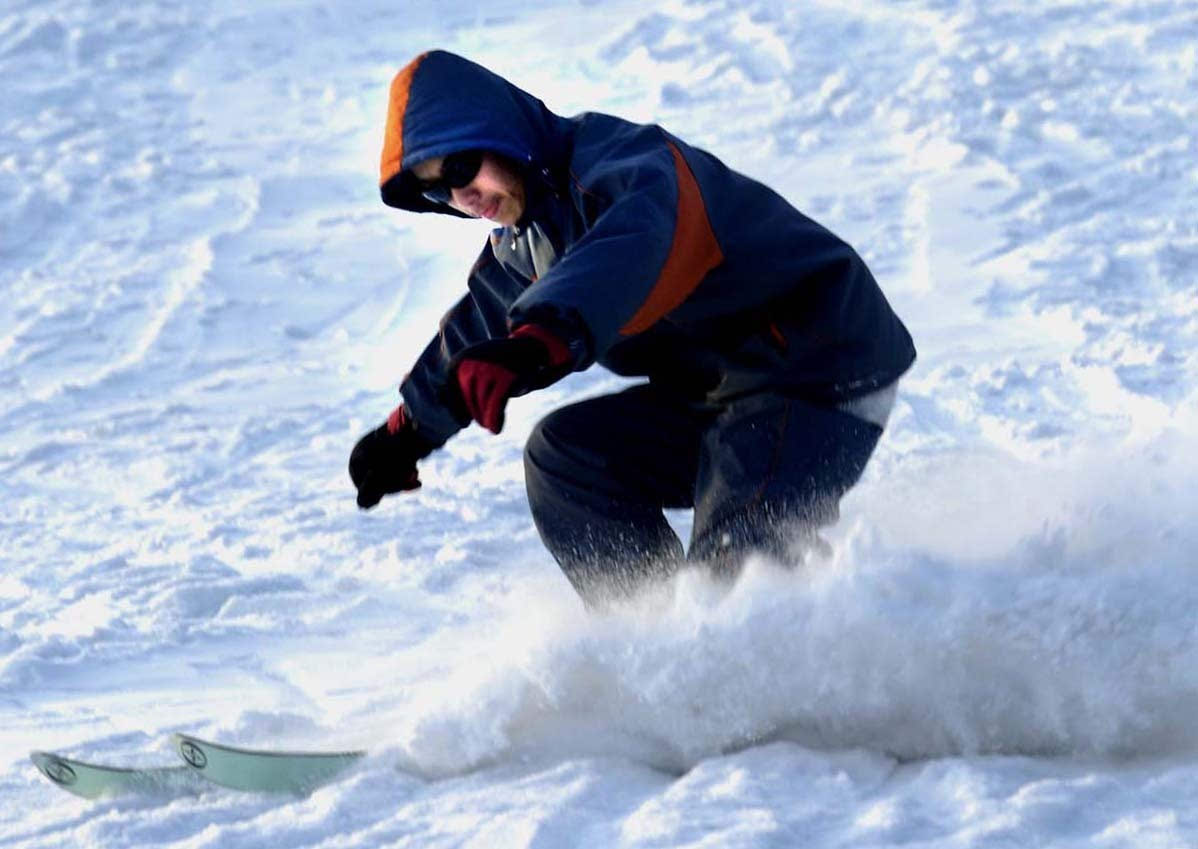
(1078, 640)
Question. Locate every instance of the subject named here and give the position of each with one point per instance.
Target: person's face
(496, 192)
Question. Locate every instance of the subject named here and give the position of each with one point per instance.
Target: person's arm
(648, 247)
(429, 390)
(383, 461)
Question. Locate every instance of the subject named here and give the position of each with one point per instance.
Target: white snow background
(205, 304)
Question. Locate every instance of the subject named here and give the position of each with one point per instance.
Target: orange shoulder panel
(693, 252)
(392, 160)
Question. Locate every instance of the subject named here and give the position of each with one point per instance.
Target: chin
(506, 216)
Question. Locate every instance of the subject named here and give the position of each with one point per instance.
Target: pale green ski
(261, 771)
(92, 781)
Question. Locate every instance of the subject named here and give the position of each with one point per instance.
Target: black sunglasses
(458, 170)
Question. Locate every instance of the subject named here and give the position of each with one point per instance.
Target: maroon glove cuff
(485, 389)
(492, 372)
(397, 420)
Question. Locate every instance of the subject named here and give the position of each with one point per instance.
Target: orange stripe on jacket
(401, 86)
(693, 253)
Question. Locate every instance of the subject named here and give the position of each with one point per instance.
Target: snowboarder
(770, 353)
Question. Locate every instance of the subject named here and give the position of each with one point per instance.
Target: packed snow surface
(205, 304)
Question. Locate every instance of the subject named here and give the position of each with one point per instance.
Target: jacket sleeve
(645, 249)
(480, 315)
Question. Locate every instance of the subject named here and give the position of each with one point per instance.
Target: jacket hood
(441, 103)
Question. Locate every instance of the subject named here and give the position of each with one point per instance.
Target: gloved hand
(384, 460)
(490, 373)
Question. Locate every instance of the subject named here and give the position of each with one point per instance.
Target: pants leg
(772, 471)
(599, 473)
(763, 474)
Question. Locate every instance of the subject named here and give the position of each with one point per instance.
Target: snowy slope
(205, 304)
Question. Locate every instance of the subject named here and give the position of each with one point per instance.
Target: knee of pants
(540, 445)
(535, 449)
(548, 463)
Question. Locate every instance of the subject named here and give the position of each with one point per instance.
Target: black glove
(384, 460)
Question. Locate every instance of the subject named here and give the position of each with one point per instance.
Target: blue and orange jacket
(645, 254)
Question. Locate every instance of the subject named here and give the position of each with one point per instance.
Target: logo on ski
(193, 754)
(59, 772)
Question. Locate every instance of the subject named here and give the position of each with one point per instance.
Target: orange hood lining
(401, 86)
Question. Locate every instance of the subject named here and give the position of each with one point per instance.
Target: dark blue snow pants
(760, 473)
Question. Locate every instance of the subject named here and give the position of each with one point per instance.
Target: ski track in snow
(206, 304)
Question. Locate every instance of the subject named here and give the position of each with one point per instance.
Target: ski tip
(261, 770)
(93, 780)
(55, 768)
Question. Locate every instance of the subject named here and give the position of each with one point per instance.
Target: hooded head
(441, 104)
